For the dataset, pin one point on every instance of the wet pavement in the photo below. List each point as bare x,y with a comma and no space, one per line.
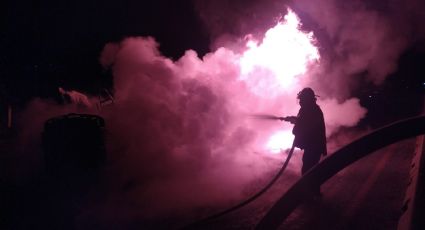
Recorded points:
369,194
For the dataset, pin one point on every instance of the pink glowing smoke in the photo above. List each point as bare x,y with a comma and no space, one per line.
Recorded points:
365,39
182,126
360,41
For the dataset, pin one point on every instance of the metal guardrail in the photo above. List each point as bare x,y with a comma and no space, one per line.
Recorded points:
417,222
339,160
406,219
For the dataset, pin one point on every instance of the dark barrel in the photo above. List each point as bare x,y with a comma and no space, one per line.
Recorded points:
73,144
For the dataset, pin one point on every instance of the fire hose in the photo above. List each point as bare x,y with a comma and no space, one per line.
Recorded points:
205,220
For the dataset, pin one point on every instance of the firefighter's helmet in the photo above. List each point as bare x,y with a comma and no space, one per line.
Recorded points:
306,93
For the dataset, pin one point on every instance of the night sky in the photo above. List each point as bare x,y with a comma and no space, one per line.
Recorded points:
50,43
46,44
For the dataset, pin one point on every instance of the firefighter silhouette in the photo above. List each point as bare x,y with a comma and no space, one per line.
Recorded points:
310,133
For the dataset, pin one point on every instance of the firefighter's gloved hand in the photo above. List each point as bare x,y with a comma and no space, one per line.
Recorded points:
291,119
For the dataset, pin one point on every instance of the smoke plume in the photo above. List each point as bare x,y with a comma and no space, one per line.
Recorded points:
182,128
179,137
180,125
360,41
363,40
178,133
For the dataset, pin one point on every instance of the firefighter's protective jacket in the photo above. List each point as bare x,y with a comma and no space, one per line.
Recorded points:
309,129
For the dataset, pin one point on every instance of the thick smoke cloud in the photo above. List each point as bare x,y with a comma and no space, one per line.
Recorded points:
360,41
364,40
178,127
178,133
182,128
179,136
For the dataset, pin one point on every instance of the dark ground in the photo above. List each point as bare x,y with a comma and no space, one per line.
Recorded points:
367,195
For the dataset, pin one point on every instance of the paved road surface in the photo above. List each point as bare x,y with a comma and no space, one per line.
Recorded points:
367,195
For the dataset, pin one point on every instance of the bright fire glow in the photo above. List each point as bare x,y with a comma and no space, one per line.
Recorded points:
272,67
280,141
285,53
